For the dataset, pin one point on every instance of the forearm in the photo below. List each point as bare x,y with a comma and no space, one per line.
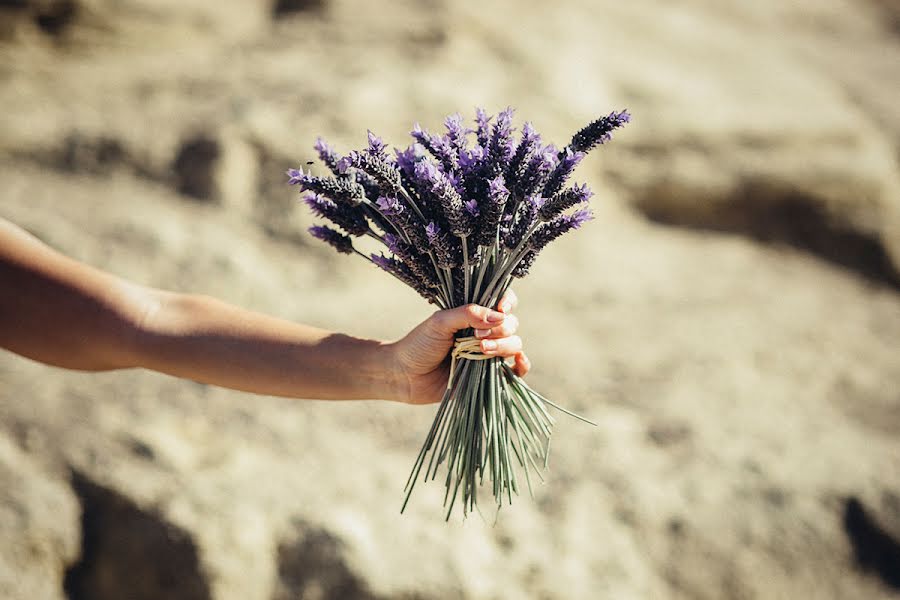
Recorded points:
206,340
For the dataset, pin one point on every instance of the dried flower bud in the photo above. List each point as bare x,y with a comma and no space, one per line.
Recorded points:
598,132
340,242
349,218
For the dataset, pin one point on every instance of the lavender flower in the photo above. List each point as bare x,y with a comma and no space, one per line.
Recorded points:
470,161
446,196
439,147
376,166
492,210
498,151
565,200
528,145
456,131
339,190
524,221
561,173
333,238
483,132
525,263
598,132
548,232
445,253
536,172
407,159
349,218
327,155
389,206
376,144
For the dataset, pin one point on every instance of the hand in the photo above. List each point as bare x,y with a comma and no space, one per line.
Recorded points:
422,355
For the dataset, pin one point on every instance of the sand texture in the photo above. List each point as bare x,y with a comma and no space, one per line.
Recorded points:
731,319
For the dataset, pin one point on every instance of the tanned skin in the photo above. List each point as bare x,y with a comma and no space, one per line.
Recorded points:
64,313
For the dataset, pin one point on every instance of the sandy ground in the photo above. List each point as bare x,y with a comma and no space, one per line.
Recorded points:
731,318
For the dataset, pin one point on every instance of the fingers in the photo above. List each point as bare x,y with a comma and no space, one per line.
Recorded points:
505,329
452,320
508,302
521,364
508,346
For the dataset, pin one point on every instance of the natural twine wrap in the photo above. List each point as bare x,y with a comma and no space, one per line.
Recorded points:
468,348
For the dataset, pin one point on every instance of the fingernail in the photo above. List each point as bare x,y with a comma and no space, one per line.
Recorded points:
506,306
488,345
480,333
495,317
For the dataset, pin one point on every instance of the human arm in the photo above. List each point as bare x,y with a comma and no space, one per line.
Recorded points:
61,312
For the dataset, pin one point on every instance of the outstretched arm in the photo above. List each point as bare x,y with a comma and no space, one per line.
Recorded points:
64,313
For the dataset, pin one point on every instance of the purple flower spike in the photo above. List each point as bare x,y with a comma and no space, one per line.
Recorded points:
343,165
295,176
528,145
438,146
483,120
548,232
565,200
499,150
562,171
580,217
333,238
392,242
388,206
382,261
376,144
327,155
432,231
456,131
491,211
407,159
599,132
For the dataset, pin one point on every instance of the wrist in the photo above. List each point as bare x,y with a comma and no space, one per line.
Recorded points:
396,384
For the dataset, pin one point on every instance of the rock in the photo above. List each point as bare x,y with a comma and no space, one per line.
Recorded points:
39,527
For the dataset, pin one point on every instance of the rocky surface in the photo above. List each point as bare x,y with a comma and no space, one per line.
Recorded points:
743,368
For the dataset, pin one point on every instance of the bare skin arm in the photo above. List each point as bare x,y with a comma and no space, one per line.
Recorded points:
61,312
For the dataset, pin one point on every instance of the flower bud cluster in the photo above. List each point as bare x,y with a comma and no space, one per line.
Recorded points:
447,203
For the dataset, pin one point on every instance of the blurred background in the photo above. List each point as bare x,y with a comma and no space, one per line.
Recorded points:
731,318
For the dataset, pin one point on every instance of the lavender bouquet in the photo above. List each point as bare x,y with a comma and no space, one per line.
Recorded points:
460,221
